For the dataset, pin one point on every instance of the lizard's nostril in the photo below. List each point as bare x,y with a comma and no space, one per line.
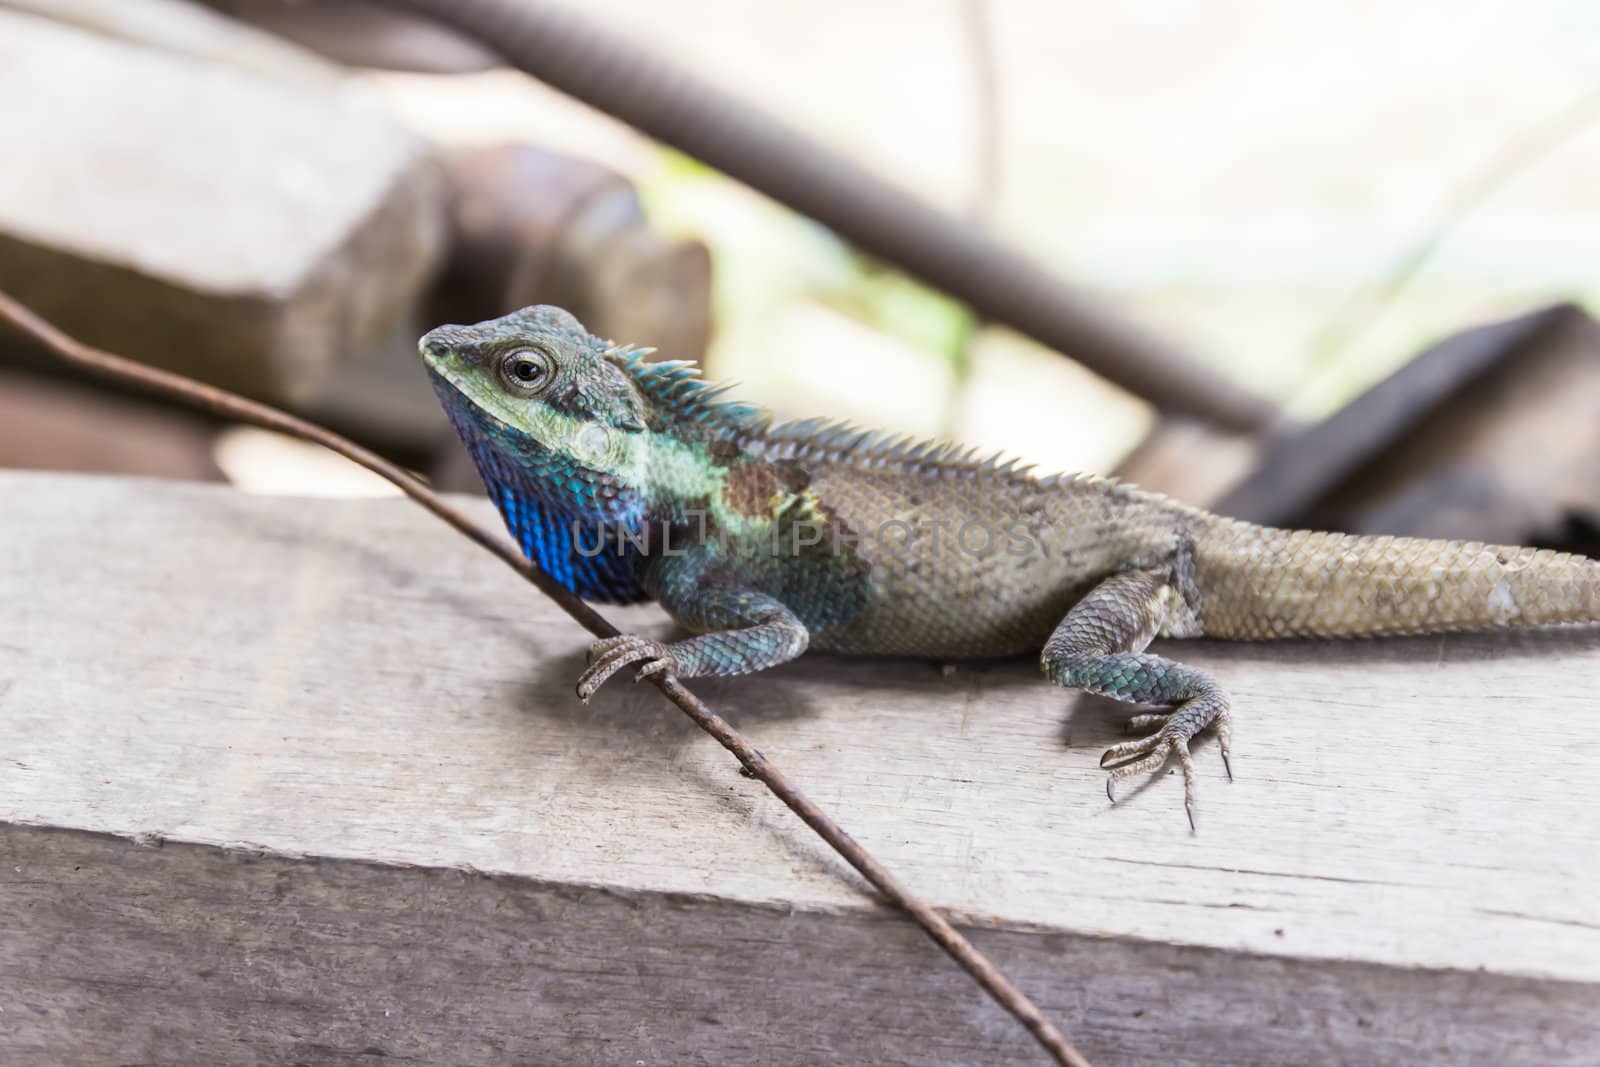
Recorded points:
448,340
434,343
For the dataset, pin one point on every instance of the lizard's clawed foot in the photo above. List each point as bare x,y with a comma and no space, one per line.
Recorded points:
610,654
1173,732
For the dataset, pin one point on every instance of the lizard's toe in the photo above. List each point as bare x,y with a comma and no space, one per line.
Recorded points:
664,665
1130,750
1176,729
609,655
600,646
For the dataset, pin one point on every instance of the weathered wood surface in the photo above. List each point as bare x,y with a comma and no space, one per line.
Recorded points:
386,825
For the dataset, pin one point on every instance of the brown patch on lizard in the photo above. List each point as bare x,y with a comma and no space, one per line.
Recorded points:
795,478
749,489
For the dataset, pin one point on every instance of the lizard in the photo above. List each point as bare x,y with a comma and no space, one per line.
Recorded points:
629,480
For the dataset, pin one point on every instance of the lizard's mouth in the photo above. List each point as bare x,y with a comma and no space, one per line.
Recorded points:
476,423
452,364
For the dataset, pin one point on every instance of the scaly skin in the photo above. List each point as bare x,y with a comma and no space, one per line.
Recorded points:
628,480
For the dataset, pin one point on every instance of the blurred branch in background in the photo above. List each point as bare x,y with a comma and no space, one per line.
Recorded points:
366,33
673,106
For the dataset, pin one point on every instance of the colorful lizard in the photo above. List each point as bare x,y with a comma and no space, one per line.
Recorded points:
628,480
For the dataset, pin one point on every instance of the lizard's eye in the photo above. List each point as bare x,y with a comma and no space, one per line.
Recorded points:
527,370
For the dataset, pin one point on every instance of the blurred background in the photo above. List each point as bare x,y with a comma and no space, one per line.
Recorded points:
1315,262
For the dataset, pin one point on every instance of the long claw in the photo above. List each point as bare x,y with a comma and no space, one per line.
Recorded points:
1180,748
1226,765
1130,750
1111,790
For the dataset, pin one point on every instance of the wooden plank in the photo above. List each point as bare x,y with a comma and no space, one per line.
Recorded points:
1304,465
388,825
1463,466
62,426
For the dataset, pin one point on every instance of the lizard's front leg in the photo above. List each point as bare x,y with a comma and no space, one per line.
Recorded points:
1099,647
745,630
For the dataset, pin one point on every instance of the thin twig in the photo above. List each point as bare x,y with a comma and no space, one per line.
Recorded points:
230,405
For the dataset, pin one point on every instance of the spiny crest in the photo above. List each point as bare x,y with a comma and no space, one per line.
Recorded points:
674,388
836,441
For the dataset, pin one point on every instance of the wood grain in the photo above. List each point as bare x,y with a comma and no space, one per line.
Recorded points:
387,824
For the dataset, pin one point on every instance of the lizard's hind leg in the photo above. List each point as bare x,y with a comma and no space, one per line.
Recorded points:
1099,648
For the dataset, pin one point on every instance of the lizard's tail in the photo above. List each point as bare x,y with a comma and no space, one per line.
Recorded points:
1257,582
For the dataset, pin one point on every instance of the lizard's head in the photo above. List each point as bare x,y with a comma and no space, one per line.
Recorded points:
538,390
558,435
549,418
552,413
536,377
